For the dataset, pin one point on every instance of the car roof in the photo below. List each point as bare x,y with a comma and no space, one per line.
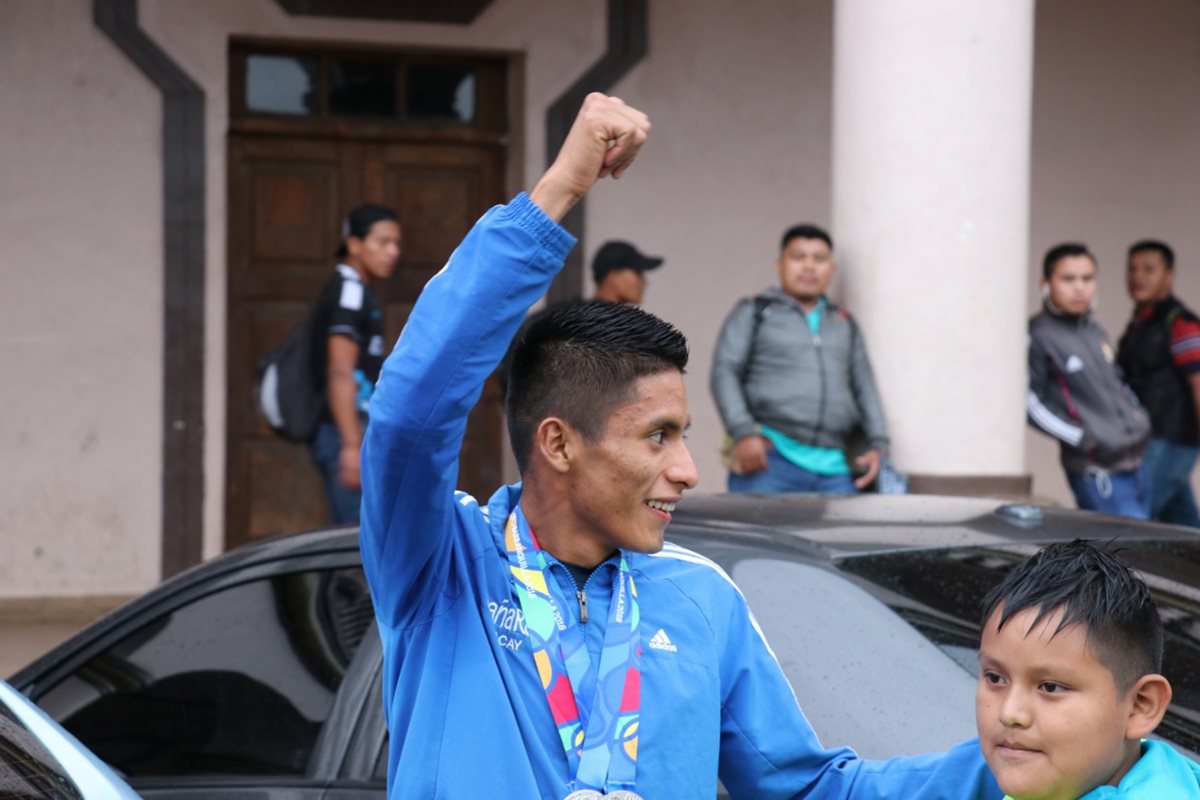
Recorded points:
835,525
849,525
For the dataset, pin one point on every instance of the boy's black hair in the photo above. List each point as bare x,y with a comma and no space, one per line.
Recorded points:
804,231
1155,246
578,361
1092,587
1061,251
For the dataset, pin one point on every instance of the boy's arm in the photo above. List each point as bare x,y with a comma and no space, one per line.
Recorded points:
456,335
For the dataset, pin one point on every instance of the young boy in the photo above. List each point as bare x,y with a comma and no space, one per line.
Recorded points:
1069,683
1077,395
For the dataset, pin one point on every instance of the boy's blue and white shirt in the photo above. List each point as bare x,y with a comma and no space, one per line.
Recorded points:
466,709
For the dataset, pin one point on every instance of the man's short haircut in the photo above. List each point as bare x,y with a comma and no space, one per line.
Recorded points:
1155,246
1059,252
578,361
1092,587
804,231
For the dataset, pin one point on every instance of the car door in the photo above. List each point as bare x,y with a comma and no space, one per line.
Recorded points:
246,685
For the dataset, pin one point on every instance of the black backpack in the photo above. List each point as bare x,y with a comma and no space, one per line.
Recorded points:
286,390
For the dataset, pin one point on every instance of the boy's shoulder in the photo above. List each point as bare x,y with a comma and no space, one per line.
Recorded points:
1162,772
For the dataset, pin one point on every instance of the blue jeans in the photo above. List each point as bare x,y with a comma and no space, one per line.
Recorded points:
1171,498
325,449
782,475
1124,494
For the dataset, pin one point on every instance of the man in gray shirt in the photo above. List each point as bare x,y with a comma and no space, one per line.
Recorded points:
792,381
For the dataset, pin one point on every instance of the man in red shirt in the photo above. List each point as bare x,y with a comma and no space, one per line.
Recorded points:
1160,355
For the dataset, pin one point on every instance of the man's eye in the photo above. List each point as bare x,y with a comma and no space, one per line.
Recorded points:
1050,687
658,437
992,678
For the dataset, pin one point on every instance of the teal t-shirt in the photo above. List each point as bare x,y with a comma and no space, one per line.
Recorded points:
1161,773
821,460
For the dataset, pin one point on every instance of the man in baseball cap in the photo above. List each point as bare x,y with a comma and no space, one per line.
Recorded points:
619,271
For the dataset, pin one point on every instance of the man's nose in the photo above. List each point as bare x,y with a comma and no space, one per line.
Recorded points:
682,470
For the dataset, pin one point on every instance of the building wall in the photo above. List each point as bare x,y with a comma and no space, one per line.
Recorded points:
81,288
80,308
740,97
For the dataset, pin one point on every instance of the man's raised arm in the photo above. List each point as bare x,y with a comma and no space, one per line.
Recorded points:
457,333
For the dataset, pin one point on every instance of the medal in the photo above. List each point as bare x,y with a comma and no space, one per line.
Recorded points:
595,707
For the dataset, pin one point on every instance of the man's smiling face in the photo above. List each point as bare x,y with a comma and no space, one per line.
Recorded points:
625,485
1052,721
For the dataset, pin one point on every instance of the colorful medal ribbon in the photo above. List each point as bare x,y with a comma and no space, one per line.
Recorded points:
599,729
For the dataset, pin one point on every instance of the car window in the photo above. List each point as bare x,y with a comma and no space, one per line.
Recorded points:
952,583
27,770
238,681
864,677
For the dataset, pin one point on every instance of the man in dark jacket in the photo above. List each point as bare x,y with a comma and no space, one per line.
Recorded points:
1160,355
1076,393
792,381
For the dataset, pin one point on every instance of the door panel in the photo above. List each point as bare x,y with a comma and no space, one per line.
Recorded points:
440,191
287,198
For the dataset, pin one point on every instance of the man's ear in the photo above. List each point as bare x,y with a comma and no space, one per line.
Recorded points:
557,443
1151,696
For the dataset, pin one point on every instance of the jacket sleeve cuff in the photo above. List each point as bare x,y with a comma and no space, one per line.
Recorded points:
528,215
740,432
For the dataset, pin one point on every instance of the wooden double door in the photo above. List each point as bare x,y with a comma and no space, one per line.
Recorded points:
287,198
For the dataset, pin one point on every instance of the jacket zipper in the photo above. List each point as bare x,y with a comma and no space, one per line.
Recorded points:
583,617
821,372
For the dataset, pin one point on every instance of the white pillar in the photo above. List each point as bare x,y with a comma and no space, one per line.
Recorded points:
932,104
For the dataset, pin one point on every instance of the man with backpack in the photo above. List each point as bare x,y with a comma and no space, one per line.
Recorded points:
347,352
1160,356
792,381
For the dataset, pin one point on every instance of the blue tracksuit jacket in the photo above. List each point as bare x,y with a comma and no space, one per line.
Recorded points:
466,710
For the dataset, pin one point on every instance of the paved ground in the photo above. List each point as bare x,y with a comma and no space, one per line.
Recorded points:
20,643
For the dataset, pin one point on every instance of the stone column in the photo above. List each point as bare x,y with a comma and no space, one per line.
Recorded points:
931,130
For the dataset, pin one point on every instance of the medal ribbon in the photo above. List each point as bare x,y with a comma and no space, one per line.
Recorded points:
601,743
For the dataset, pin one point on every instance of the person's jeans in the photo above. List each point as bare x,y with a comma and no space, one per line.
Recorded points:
782,475
1125,494
1171,497
325,449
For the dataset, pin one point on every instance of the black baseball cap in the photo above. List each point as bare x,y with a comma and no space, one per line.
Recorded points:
620,255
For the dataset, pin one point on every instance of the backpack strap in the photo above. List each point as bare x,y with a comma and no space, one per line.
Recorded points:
762,308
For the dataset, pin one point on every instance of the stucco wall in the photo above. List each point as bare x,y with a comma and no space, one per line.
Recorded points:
81,289
80,308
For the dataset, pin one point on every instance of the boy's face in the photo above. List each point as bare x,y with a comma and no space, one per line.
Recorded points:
1052,723
1072,284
